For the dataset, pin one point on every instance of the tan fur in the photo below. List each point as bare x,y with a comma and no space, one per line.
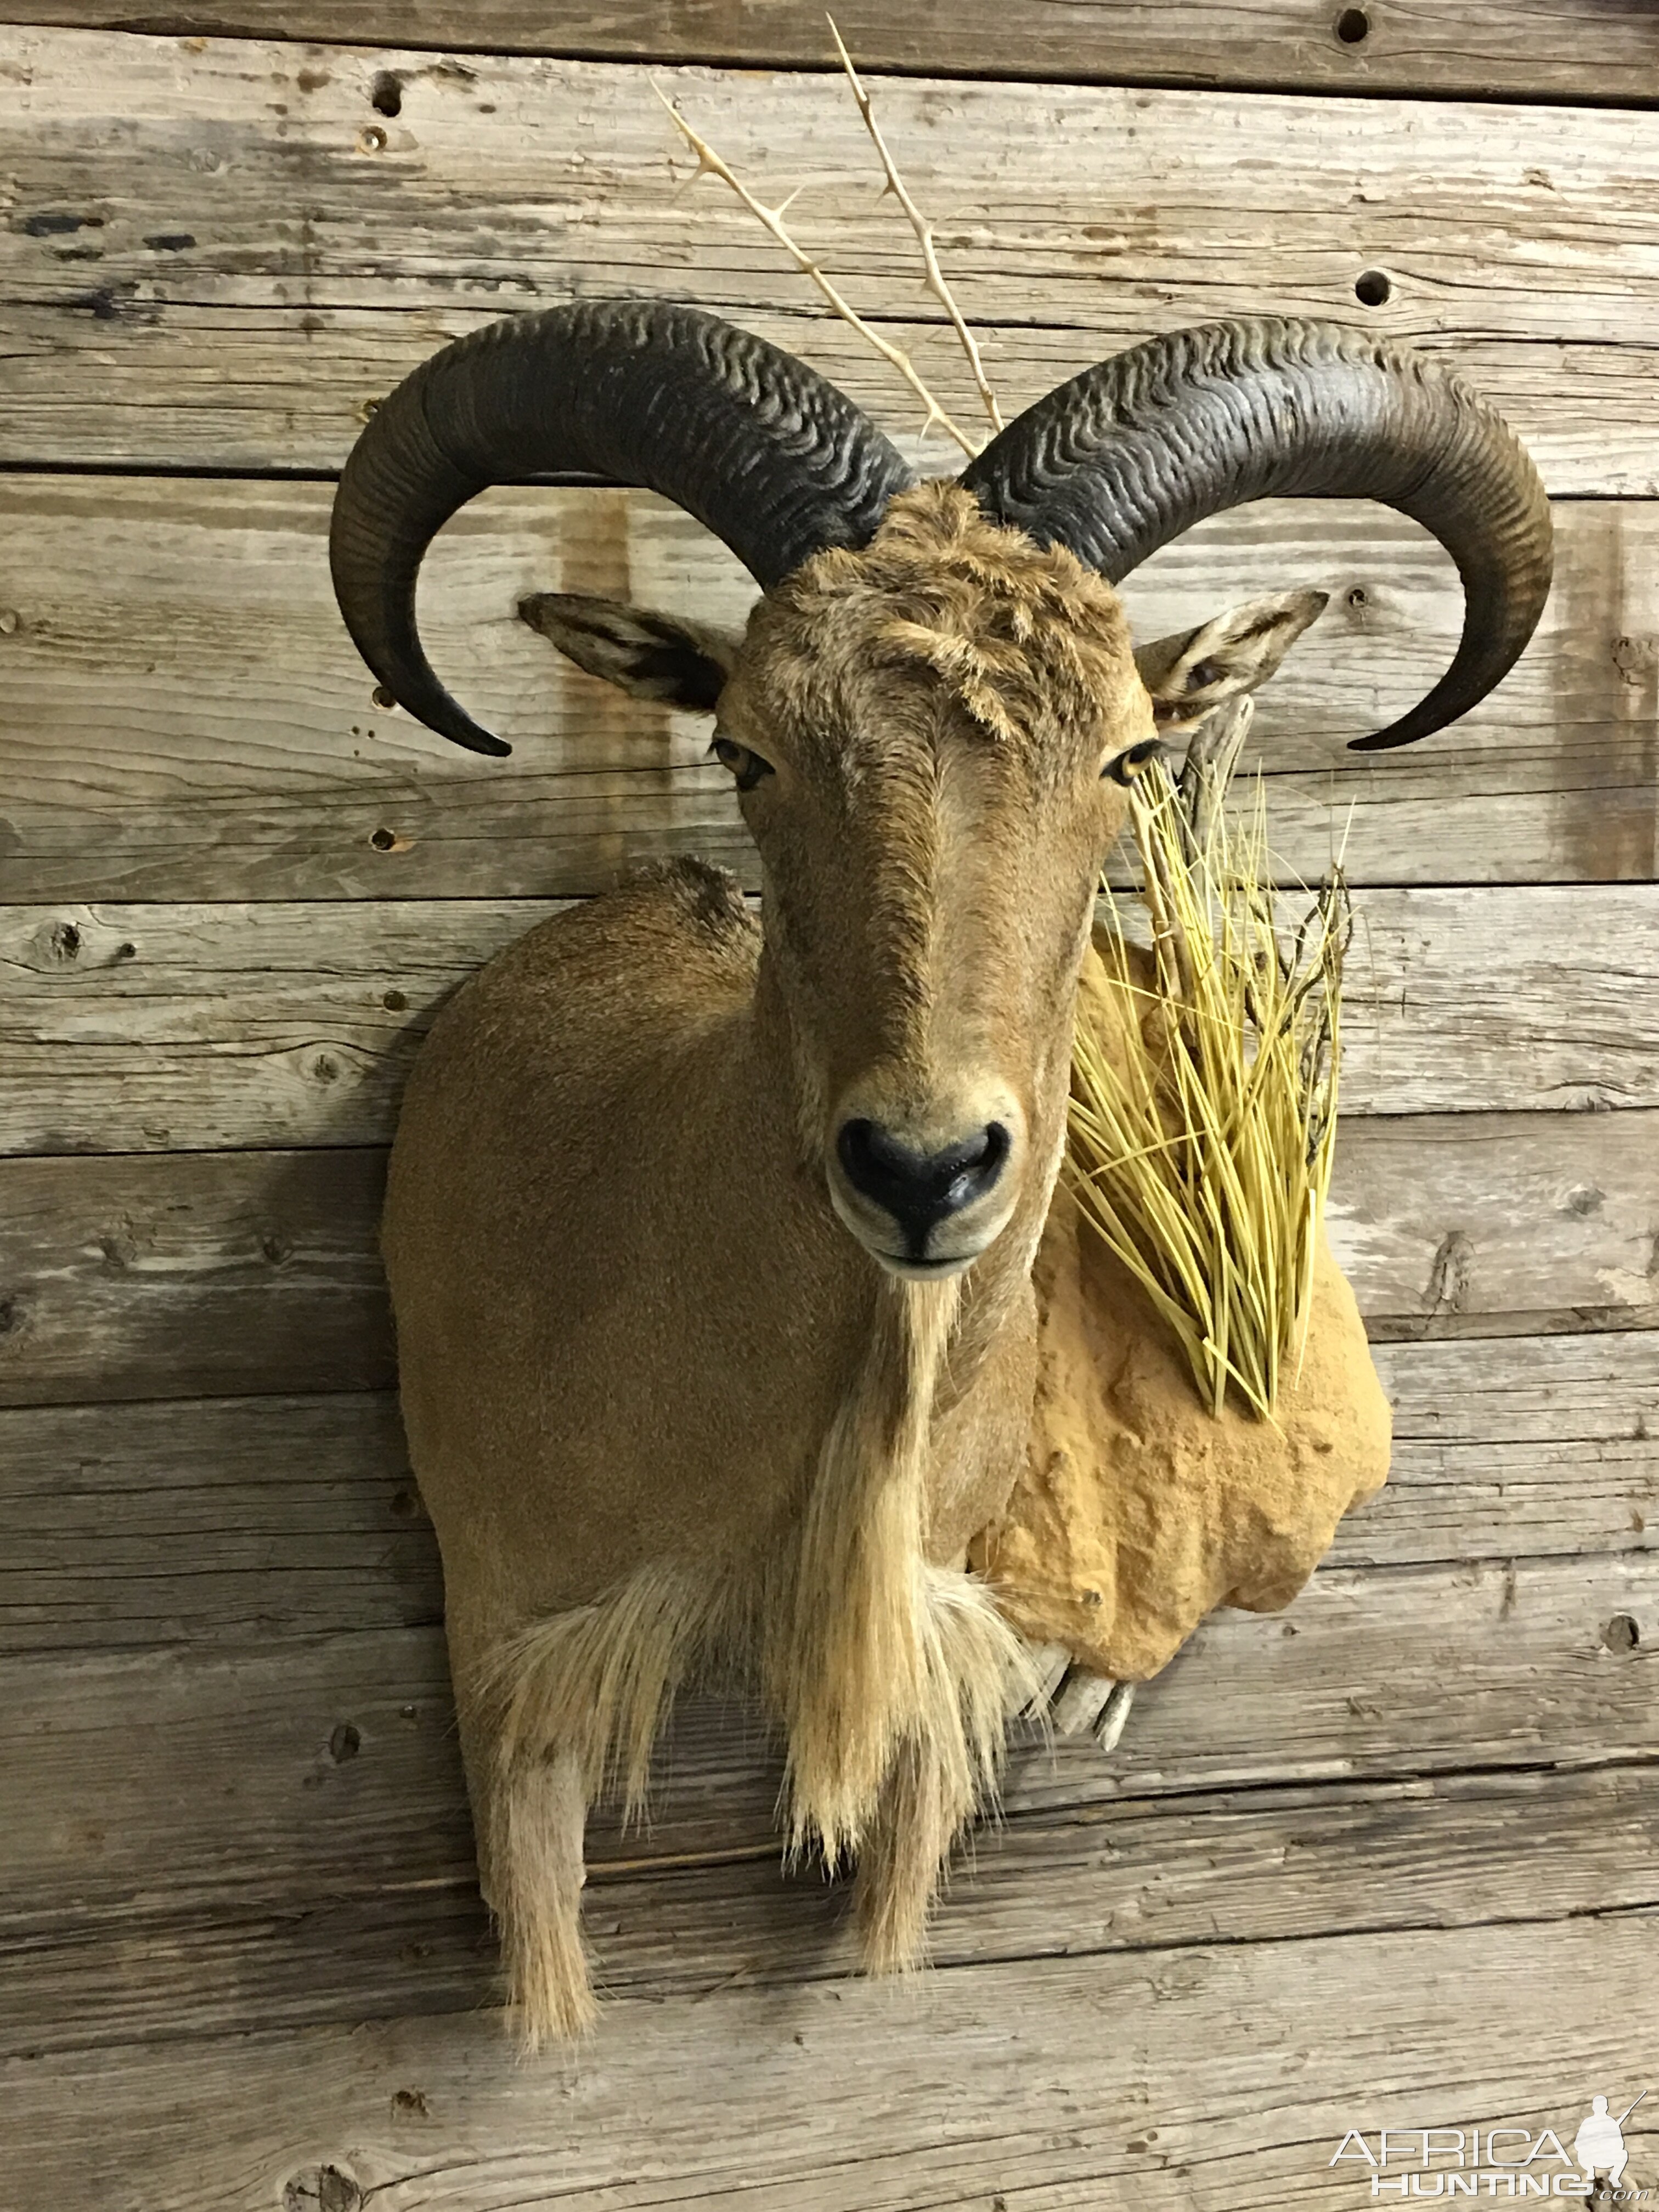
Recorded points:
673,1421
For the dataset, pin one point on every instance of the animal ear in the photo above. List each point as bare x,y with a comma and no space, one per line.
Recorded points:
648,655
1197,670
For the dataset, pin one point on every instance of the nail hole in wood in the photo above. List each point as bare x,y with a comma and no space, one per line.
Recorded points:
383,841
1621,1633
1352,26
1373,289
382,697
388,97
344,1743
393,1001
1358,599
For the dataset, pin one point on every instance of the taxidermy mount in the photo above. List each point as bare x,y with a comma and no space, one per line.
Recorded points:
749,1335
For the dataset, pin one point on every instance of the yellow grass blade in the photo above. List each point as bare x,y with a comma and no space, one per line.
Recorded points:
1203,1157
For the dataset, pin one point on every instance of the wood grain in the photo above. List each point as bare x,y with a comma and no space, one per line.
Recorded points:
179,1275
176,1028
228,1519
224,1707
1142,1875
1560,50
182,1276
186,719
256,185
292,1770
1196,2080
222,1520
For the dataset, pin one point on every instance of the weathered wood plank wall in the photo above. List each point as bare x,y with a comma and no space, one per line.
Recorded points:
1583,51
1336,1850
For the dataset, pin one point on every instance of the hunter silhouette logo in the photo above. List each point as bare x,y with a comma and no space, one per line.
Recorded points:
1499,2161
1599,2145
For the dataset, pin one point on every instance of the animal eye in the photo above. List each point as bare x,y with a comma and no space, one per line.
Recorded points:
1127,766
748,767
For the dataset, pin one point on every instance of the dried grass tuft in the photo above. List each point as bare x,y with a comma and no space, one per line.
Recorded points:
1201,1148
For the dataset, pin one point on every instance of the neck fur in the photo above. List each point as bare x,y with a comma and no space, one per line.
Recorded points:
877,1659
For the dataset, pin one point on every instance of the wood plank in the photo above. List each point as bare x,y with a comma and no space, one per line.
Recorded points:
305,1803
188,1276
187,719
220,1520
1518,242
1512,1447
1566,50
177,1028
1189,2080
297,1769
251,387
200,1274
1142,1875
210,1520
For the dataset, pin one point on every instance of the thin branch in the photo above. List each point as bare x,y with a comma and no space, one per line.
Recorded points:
924,231
772,218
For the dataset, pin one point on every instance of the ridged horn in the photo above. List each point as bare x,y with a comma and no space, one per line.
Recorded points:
759,448
1131,454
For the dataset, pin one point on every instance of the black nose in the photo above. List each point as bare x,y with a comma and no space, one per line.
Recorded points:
919,1189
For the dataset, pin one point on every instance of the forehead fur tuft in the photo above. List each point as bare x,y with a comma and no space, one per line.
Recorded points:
1021,634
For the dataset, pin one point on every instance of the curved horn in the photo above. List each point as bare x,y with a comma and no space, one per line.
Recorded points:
1127,456
760,448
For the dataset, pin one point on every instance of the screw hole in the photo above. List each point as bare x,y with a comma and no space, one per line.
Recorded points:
371,140
1358,598
383,841
388,97
1352,24
1621,1633
383,698
1373,289
344,1743
394,1001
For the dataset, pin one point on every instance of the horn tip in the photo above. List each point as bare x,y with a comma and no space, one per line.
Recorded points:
1386,741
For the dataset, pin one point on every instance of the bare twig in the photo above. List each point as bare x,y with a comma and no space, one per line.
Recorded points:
772,219
924,231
